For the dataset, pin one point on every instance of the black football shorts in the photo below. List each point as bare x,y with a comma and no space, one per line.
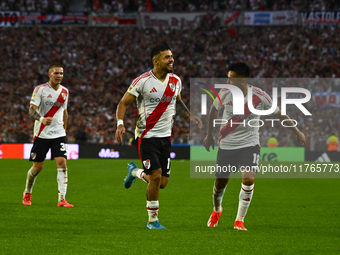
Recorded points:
155,153
41,146
230,161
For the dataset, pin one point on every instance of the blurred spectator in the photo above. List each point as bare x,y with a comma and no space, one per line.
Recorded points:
333,143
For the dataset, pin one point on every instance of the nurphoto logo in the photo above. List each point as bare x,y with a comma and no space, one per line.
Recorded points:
239,105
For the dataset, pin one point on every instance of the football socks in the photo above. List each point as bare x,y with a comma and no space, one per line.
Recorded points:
139,173
246,194
217,198
31,176
62,183
152,207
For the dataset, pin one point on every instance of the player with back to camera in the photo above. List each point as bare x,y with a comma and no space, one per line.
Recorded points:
48,107
239,144
157,94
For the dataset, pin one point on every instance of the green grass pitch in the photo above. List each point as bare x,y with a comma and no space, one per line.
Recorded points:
286,216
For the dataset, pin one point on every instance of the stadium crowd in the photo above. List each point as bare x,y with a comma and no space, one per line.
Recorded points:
204,5
44,6
61,6
100,63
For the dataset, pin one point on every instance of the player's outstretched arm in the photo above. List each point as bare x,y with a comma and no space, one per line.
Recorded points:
35,115
300,137
120,113
183,111
209,139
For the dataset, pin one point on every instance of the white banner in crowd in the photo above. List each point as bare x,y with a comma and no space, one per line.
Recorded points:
232,18
323,99
9,19
172,20
320,17
278,18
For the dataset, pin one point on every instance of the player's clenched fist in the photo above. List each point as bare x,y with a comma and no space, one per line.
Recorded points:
120,130
47,121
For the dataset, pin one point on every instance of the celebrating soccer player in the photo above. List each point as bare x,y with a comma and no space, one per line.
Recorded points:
239,145
48,107
156,93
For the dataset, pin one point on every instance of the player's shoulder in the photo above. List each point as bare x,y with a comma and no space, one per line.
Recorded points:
261,93
174,76
224,91
40,87
141,78
63,87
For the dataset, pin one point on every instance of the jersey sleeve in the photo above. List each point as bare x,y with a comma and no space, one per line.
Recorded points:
180,86
66,101
36,96
268,102
221,95
135,87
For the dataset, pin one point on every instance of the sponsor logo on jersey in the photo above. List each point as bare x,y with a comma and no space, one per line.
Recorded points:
147,163
172,87
34,95
33,155
163,99
153,90
49,96
53,104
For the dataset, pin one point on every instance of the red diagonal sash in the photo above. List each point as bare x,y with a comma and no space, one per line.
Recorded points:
161,107
56,106
227,129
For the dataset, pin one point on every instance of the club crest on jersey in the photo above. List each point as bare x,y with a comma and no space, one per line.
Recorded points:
63,95
172,87
147,163
33,155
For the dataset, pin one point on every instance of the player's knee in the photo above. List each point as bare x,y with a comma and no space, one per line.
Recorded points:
61,163
221,183
156,177
248,181
163,184
37,167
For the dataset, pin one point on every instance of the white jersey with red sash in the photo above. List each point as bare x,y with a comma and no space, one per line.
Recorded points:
51,103
237,133
156,102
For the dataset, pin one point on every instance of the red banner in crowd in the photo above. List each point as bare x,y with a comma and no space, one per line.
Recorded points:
323,99
113,19
38,18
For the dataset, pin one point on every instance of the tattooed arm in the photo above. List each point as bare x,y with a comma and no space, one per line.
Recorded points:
33,113
65,119
183,111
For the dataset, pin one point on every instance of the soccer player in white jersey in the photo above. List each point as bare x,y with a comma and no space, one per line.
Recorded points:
48,107
239,145
157,93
